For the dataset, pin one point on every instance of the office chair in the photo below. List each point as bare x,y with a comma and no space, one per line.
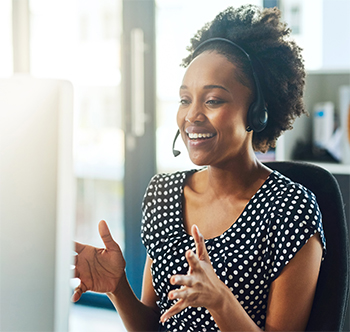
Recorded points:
332,291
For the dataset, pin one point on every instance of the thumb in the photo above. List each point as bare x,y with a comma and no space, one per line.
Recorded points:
106,236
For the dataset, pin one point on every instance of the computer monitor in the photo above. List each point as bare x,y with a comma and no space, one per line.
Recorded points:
37,199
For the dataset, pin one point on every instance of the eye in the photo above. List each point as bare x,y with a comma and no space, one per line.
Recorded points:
184,101
214,102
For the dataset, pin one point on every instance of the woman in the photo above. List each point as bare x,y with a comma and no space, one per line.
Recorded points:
234,246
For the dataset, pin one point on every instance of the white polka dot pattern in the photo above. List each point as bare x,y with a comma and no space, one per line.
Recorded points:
278,220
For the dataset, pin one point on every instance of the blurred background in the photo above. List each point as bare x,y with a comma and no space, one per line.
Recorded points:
123,59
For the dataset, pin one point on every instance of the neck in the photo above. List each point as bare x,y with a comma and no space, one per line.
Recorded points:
241,177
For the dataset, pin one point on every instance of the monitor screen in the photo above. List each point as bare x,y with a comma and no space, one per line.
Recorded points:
37,199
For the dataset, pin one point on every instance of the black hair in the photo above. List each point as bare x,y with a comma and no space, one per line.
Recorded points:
262,35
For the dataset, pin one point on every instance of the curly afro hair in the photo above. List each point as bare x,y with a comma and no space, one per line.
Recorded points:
282,76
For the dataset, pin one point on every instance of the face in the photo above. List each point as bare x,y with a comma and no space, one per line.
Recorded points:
212,116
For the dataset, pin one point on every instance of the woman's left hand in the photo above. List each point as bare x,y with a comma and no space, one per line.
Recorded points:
201,287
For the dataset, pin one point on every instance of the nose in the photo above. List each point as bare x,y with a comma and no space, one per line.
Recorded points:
195,113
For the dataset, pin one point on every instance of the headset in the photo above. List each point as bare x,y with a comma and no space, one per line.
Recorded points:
257,116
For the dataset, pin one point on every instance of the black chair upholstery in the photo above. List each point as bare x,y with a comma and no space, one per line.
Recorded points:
332,292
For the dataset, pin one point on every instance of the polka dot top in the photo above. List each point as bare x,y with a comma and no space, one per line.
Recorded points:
278,220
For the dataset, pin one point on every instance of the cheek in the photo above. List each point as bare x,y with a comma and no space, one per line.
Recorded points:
230,120
180,118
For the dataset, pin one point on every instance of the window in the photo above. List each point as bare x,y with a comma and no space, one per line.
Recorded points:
80,41
6,63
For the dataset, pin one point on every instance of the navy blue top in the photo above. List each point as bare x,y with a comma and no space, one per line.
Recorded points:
278,220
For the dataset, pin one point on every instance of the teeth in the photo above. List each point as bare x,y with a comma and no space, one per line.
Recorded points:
204,135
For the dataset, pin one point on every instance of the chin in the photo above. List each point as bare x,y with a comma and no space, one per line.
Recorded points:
199,161
200,164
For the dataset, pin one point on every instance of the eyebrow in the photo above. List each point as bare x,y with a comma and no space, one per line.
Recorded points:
207,87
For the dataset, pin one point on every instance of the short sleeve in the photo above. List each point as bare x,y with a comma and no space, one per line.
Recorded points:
296,219
148,210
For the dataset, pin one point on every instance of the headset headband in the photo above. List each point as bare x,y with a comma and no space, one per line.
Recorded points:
258,114
223,40
235,45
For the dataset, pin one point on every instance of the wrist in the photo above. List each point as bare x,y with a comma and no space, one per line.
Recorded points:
223,298
120,285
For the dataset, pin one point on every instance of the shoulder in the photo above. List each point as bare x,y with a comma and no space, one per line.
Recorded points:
162,190
164,184
294,205
281,184
169,179
284,199
290,195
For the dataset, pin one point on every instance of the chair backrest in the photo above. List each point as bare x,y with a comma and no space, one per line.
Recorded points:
332,292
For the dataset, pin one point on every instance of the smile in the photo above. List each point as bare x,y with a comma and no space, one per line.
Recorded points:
200,135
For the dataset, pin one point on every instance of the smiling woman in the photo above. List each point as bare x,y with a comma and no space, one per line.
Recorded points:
233,246
172,40
213,103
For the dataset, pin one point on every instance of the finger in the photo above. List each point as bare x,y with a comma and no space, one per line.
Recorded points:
106,236
200,244
79,247
181,293
183,280
175,309
193,261
78,292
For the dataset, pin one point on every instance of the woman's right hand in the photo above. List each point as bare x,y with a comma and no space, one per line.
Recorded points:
99,269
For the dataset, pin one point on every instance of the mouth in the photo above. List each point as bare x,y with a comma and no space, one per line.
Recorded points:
196,136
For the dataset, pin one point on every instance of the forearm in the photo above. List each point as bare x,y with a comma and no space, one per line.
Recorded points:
229,315
136,316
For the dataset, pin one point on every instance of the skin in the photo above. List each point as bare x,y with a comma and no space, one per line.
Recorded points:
212,102
103,271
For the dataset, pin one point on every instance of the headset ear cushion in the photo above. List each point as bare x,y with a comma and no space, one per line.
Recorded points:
263,118
257,117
